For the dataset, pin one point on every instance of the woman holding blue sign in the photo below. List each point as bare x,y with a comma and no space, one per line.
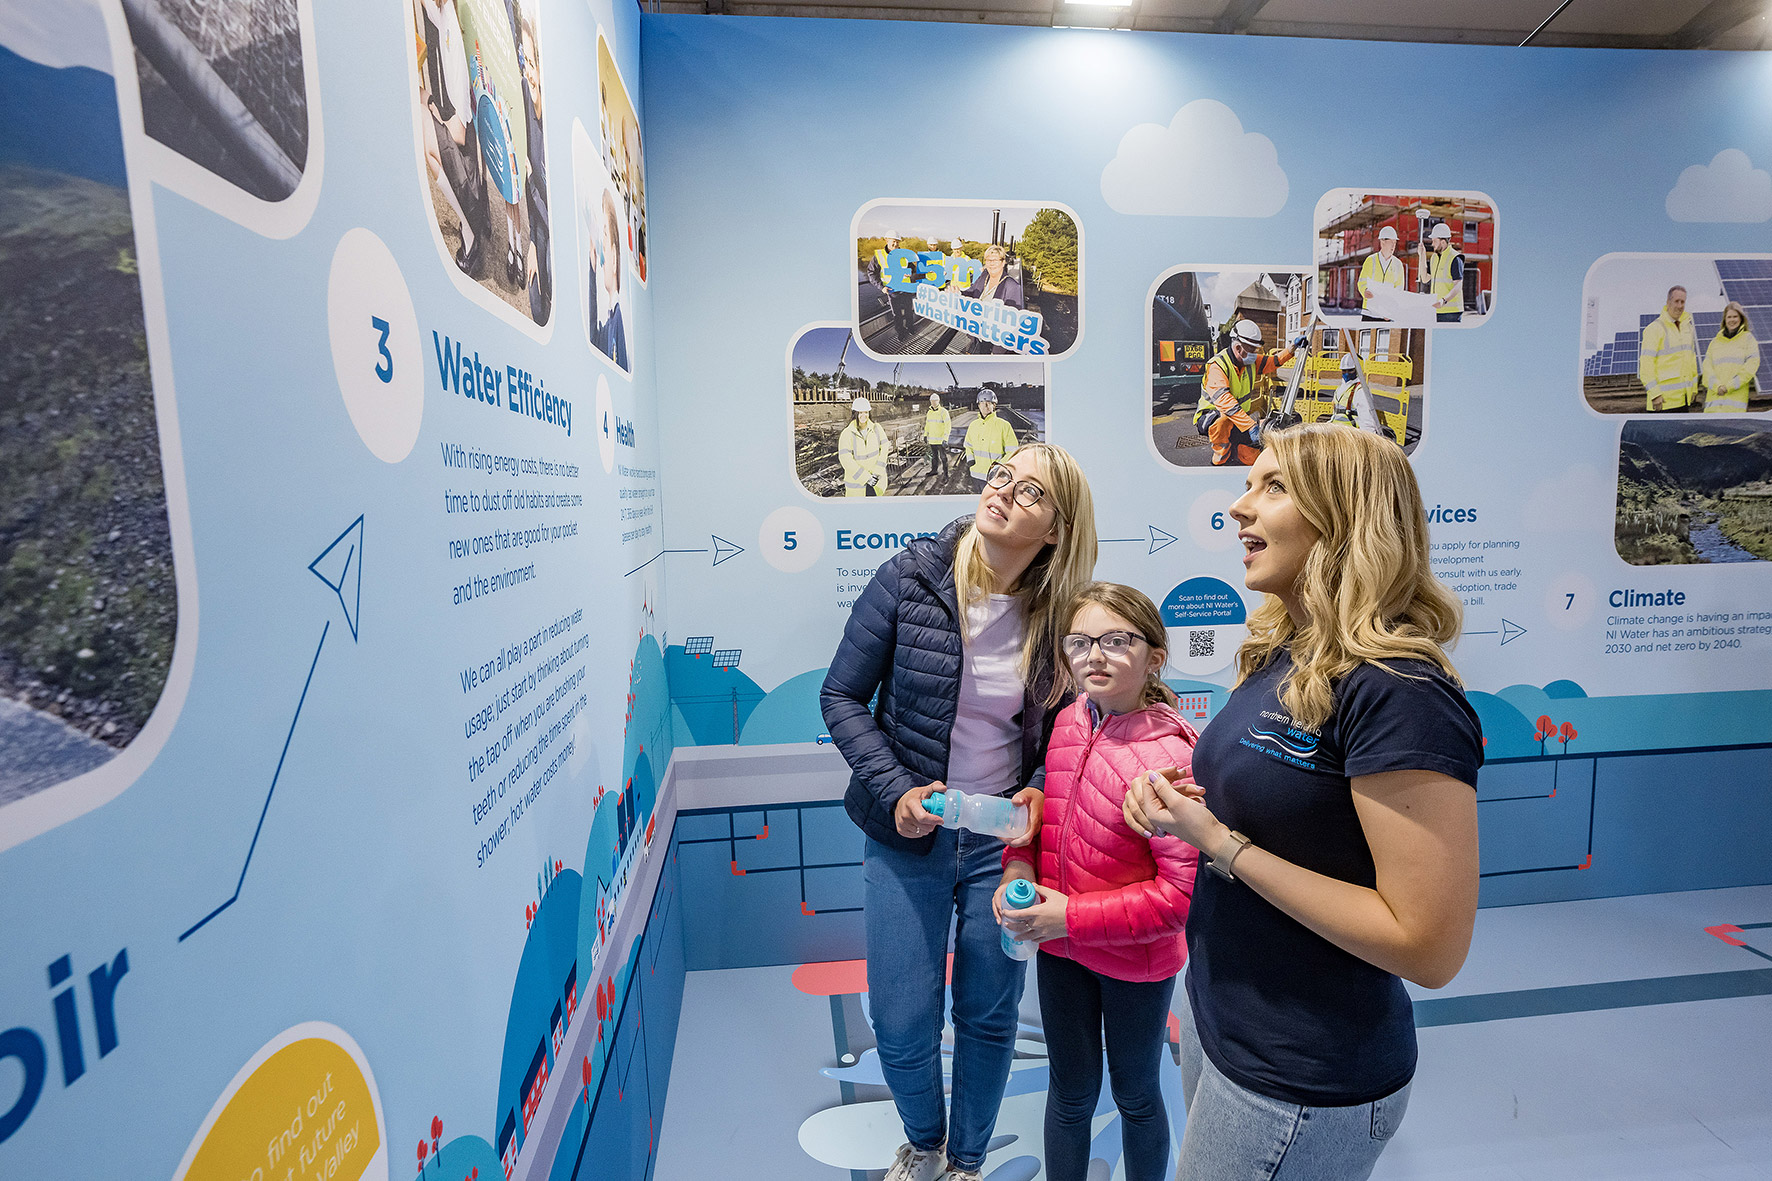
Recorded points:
956,636
995,283
1332,800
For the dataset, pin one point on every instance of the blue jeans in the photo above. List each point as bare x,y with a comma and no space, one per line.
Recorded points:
1234,1134
910,902
1077,1006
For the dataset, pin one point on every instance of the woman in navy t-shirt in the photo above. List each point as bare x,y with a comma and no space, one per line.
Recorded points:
1332,797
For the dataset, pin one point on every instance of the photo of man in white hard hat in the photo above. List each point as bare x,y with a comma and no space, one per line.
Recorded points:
1232,400
1445,275
938,426
866,427
1383,269
1234,355
1412,260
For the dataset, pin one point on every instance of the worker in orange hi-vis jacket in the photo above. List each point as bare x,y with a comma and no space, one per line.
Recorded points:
1227,413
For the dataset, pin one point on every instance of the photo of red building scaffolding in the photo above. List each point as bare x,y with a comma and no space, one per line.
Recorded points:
1412,260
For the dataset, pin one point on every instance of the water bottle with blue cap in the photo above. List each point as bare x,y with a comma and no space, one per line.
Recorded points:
1020,894
994,816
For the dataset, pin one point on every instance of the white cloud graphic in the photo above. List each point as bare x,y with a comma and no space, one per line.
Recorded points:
56,33
1729,188
1202,165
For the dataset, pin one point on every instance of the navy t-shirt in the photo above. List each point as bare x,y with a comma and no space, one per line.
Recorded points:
1281,1010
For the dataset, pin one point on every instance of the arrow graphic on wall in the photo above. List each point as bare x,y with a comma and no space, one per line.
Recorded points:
720,548
340,567
1509,631
1159,539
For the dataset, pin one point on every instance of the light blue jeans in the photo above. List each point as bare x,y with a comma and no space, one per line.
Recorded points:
1234,1134
910,903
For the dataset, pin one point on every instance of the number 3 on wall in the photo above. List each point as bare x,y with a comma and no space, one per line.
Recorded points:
385,370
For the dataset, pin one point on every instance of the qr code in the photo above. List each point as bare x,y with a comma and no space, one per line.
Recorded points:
1202,643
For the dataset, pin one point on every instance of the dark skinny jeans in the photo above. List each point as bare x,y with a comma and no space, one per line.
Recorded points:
1077,1007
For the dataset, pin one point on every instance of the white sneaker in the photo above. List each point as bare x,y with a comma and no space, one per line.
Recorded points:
956,1173
917,1164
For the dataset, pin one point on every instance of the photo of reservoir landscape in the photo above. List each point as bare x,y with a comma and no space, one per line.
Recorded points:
1694,492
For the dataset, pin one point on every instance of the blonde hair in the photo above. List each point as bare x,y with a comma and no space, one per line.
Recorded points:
1135,607
1735,306
1054,576
1367,590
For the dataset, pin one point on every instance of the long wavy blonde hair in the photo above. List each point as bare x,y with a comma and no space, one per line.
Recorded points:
1367,590
1056,573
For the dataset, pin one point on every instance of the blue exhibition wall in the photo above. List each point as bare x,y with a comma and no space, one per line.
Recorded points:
364,795
333,722
1614,579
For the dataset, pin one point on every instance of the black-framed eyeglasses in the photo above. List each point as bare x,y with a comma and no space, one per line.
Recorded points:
1027,493
1076,646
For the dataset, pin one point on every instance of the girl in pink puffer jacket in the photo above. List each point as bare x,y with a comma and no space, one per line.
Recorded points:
1112,904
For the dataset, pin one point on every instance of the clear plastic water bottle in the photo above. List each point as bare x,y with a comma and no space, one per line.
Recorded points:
1019,894
993,816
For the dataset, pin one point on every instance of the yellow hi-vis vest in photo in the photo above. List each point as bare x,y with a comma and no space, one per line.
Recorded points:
1379,271
938,424
1729,368
862,452
1442,284
1239,381
1668,362
988,440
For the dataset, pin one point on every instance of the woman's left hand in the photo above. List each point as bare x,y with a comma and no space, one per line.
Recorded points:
1042,921
1035,801
1170,800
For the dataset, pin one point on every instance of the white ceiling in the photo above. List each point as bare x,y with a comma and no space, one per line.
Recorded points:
1632,24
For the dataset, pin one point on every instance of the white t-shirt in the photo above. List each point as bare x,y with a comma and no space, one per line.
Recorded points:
984,751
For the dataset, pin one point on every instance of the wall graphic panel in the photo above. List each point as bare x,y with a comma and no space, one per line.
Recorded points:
333,713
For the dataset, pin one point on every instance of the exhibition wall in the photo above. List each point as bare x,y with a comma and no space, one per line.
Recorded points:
364,795
332,710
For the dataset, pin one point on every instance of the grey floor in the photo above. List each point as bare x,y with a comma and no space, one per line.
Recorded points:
1617,1072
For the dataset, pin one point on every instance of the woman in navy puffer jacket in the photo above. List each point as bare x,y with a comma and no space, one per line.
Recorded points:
956,637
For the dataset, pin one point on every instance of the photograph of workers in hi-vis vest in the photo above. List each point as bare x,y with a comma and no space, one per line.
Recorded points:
478,100
865,427
967,279
1676,333
1236,353
1408,260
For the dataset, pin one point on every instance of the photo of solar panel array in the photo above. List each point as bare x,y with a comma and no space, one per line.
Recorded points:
1747,281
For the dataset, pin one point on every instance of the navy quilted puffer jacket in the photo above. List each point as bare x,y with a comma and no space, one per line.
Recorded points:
903,641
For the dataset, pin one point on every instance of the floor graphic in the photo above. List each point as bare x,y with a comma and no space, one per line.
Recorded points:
1671,1059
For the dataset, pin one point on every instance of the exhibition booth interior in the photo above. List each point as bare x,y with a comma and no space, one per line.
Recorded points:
340,844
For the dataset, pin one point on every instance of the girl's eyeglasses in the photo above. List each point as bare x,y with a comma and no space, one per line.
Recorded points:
1076,646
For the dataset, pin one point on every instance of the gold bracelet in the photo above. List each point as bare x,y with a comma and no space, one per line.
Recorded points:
1223,867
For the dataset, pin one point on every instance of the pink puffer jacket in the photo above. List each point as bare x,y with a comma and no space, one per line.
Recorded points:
1128,896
